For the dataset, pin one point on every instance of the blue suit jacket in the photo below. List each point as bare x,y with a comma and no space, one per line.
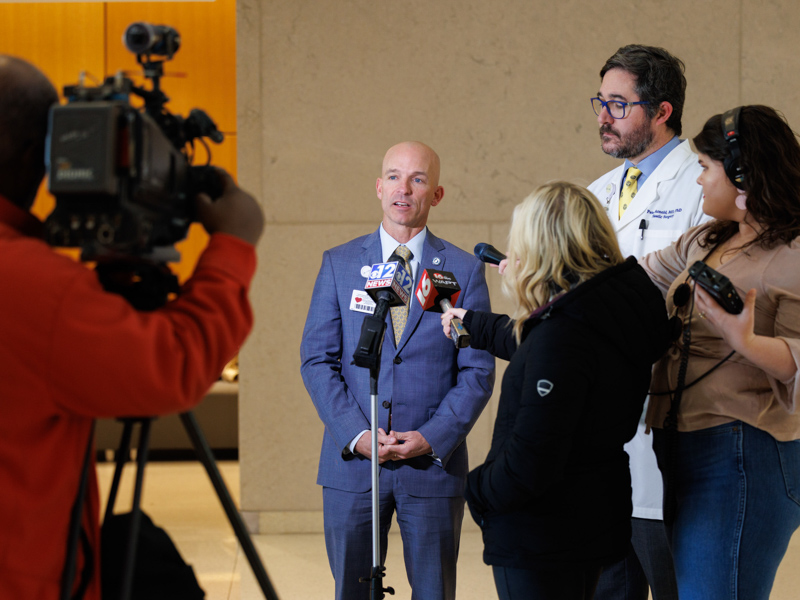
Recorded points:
433,387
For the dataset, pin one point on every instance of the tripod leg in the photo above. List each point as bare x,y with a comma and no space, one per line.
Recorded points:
207,458
136,512
119,464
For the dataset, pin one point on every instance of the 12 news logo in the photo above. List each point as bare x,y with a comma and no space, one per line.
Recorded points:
391,275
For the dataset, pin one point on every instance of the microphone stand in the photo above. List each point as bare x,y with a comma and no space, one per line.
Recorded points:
368,355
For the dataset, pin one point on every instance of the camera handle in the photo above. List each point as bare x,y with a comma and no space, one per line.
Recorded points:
180,131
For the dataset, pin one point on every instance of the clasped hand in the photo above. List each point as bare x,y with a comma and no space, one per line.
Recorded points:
395,445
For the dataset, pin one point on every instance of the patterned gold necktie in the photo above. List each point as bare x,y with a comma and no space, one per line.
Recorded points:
400,313
629,189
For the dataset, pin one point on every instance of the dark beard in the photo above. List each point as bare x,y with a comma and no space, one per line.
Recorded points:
631,146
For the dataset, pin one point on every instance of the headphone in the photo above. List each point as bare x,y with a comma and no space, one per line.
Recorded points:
730,131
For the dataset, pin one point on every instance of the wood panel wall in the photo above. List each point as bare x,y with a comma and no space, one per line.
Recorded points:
64,39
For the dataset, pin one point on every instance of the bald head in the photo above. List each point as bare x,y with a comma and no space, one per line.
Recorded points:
408,188
423,153
26,96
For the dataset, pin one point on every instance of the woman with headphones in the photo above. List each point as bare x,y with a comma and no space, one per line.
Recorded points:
587,328
724,400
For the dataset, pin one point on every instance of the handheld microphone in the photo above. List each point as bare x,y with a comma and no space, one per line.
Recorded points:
435,291
388,284
489,254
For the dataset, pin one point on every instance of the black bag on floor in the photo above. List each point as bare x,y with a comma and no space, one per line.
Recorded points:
159,570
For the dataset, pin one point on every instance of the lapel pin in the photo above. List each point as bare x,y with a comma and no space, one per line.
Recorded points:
437,261
365,271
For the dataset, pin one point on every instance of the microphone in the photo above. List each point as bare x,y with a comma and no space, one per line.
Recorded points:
682,294
489,254
388,284
435,291
643,226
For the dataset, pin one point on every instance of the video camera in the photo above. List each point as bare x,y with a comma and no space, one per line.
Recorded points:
123,177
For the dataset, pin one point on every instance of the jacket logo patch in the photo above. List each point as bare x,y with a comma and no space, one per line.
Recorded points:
544,387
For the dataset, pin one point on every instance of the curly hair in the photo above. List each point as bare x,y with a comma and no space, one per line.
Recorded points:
770,159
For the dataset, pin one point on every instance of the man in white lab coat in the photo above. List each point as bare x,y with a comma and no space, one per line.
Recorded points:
651,198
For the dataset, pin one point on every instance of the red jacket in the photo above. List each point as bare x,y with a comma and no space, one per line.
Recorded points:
70,352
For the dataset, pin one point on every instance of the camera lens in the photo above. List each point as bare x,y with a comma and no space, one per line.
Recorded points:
144,38
137,38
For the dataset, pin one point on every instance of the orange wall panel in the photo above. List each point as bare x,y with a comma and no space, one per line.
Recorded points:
37,33
63,39
202,74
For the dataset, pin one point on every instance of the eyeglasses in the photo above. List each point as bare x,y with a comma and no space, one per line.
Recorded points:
615,108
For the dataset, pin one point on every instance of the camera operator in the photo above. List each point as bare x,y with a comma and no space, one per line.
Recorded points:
72,352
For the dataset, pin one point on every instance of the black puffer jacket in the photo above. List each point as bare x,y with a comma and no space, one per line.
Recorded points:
555,486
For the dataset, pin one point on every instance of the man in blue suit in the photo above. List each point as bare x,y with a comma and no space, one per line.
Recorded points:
430,392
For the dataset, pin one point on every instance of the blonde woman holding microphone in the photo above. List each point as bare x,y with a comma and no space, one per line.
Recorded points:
587,327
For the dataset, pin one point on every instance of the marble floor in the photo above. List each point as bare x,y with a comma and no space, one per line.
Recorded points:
178,497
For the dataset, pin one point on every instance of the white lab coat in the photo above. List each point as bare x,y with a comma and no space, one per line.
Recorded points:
670,201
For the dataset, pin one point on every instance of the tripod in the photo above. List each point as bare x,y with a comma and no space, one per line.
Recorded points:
205,456
147,285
